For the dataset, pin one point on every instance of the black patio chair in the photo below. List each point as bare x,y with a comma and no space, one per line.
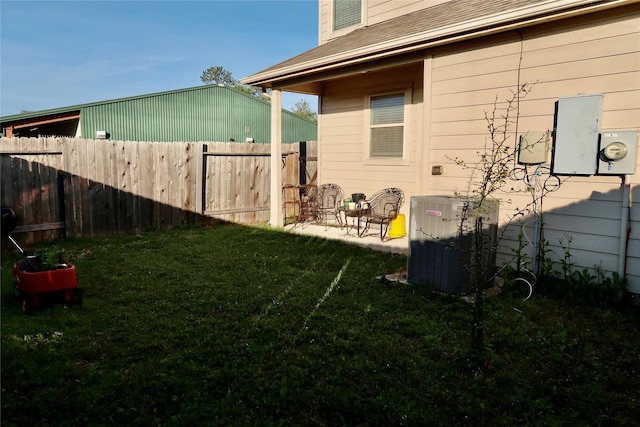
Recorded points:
325,203
384,207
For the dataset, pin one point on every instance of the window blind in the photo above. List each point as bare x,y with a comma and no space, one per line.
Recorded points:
387,109
387,126
346,13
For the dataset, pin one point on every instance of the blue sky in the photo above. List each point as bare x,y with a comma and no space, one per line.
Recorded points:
61,53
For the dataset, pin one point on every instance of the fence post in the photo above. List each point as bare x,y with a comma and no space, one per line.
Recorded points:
202,180
302,170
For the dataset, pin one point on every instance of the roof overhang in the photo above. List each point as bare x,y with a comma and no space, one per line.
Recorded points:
305,75
10,127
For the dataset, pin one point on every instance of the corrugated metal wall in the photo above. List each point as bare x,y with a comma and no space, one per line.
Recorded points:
296,129
206,113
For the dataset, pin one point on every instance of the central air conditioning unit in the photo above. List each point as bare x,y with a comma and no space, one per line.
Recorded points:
442,240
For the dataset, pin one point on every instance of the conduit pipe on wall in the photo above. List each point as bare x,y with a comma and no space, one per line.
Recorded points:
624,228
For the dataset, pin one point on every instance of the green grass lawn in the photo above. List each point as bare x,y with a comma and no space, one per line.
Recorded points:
231,325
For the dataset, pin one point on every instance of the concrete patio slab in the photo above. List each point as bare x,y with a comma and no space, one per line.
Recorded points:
371,240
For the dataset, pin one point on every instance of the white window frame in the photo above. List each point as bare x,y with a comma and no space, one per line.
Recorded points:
405,131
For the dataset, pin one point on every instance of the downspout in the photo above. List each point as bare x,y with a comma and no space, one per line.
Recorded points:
624,228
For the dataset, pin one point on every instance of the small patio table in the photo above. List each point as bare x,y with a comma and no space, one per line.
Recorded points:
353,213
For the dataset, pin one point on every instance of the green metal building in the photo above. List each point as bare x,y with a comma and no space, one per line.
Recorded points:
208,113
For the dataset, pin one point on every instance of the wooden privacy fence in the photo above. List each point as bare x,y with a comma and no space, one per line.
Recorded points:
78,187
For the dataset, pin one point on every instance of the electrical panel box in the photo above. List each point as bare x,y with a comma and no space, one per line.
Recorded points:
442,236
577,130
533,148
618,152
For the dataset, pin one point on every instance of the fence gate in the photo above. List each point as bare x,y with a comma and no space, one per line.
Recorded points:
235,182
236,178
308,163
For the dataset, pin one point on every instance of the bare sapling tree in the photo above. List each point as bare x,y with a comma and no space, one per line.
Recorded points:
489,176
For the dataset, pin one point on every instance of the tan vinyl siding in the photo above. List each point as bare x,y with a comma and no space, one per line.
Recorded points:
598,53
343,152
602,58
324,21
465,83
633,261
580,57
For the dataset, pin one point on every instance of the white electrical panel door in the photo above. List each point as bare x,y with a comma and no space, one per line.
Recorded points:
577,129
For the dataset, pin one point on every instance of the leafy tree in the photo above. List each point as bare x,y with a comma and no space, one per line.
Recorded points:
218,75
253,91
303,109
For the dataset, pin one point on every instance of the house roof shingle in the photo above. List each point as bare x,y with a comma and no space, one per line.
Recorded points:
442,21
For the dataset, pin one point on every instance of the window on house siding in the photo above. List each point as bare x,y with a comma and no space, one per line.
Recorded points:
346,13
386,125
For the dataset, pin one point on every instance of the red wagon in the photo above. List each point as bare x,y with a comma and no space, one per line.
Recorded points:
39,280
58,284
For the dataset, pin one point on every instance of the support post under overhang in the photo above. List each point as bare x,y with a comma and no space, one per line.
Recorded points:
276,216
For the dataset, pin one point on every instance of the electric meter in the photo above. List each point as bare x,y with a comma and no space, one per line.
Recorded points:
615,151
618,152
